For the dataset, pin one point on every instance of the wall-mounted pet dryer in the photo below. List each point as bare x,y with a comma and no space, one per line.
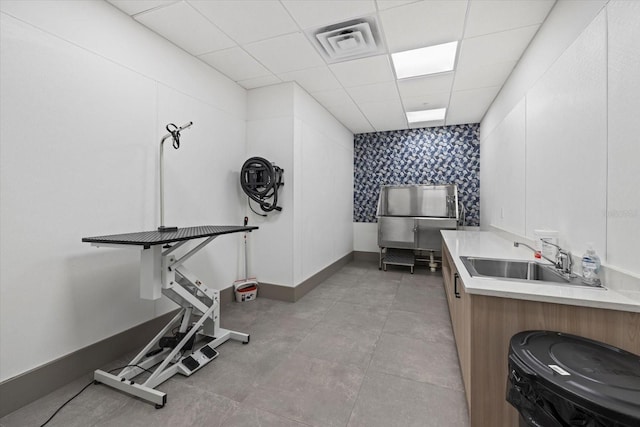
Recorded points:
261,180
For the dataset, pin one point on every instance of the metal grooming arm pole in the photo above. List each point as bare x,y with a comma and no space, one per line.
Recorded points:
198,317
175,134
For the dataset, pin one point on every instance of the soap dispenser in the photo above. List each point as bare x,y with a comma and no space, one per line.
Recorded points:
590,267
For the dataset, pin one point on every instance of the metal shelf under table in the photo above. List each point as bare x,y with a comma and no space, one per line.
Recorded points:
404,257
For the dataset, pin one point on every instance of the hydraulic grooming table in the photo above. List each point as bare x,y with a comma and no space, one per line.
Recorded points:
162,273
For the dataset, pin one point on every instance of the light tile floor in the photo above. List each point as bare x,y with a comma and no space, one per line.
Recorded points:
364,348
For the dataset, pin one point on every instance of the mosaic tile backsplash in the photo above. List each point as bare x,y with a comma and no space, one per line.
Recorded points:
439,155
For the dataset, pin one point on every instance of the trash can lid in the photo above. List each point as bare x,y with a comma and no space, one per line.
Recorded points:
597,376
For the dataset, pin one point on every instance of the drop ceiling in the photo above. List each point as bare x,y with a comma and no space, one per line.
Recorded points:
265,42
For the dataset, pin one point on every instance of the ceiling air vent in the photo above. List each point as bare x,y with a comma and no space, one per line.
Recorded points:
353,39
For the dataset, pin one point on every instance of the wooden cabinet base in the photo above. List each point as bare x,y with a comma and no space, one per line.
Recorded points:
484,326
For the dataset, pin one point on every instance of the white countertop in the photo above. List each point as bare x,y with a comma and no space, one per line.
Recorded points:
491,245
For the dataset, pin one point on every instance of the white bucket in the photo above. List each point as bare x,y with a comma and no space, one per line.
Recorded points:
246,290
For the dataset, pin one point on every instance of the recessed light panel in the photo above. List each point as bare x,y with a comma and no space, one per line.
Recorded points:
426,115
426,60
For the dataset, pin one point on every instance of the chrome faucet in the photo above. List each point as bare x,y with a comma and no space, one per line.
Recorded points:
516,244
563,262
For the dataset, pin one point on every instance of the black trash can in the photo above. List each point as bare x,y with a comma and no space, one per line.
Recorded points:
558,379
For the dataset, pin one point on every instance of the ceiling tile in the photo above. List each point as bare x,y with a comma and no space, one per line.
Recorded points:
426,102
497,47
384,115
184,26
350,116
259,82
469,106
313,79
491,16
363,94
313,13
131,7
332,98
378,92
482,75
248,20
423,24
419,86
388,4
235,63
376,69
281,54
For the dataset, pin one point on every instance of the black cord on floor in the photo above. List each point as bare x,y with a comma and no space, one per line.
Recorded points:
130,366
65,403
86,387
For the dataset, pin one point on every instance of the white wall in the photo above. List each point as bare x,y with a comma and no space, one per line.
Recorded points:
623,171
323,186
270,135
86,93
559,144
504,151
286,126
365,237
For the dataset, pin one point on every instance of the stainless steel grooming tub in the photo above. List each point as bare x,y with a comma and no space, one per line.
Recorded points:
410,218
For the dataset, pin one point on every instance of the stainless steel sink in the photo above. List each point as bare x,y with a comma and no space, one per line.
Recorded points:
510,269
517,270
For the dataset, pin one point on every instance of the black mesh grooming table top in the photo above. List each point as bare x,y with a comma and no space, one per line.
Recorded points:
151,238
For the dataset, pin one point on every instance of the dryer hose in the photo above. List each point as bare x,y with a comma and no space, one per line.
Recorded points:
260,180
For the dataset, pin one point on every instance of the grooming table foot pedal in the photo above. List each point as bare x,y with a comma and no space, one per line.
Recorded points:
185,365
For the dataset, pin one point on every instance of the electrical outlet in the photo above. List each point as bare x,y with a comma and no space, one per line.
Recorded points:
501,213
